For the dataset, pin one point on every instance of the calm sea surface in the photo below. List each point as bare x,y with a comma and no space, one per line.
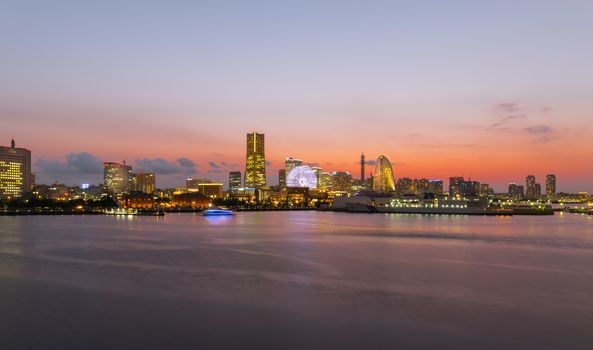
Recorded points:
296,280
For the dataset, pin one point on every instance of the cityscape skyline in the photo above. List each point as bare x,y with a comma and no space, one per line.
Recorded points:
492,91
382,178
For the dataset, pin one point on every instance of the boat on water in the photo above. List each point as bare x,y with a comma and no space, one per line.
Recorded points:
134,212
217,212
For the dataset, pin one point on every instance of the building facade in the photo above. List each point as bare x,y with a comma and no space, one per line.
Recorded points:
291,163
551,185
383,178
255,163
144,182
15,171
234,180
117,177
530,187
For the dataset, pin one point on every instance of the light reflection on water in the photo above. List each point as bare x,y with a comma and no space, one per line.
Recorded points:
335,277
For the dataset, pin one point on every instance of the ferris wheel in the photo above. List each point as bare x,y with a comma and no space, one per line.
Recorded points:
301,176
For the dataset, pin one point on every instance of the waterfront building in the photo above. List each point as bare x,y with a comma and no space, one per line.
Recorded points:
234,180
435,186
551,185
301,176
15,171
137,200
486,190
469,188
116,177
143,182
324,180
530,188
516,191
383,179
255,165
282,178
538,190
192,200
341,181
455,185
291,163
206,187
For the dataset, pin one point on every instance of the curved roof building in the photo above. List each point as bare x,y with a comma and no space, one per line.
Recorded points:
301,176
383,179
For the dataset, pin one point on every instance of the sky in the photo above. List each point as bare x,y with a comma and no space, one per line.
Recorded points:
489,90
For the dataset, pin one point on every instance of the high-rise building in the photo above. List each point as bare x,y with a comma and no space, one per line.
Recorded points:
435,186
116,177
255,165
486,190
291,163
282,178
144,182
551,185
234,180
15,171
455,185
341,181
517,191
383,179
469,188
530,188
538,190
324,180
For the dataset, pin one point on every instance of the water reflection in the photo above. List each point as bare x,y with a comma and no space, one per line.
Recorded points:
218,220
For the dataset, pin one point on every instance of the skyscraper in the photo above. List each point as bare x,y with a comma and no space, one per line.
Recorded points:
455,185
516,191
255,164
15,171
530,187
383,179
282,178
291,163
144,182
116,177
234,180
551,185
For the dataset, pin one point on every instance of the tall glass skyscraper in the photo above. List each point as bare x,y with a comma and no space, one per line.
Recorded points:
551,185
234,180
255,164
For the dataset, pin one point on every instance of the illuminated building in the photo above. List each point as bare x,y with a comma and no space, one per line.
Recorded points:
435,186
538,190
15,171
383,180
516,191
486,190
143,182
282,178
324,180
469,188
234,180
530,188
206,187
291,163
138,200
341,181
192,200
301,176
255,165
455,185
551,185
116,177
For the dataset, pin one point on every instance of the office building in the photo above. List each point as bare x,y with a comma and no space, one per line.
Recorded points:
530,188
143,182
455,185
206,187
234,180
516,191
15,171
551,185
383,179
435,186
282,178
469,188
255,164
291,163
341,181
117,177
